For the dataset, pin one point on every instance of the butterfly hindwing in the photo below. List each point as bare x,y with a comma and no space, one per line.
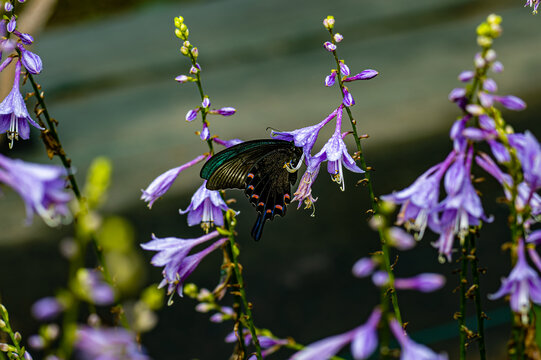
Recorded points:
257,167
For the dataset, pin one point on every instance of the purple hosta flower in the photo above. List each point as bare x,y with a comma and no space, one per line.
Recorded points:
490,85
348,98
329,46
183,79
410,349
364,267
176,271
511,102
534,3
344,69
363,75
400,239
26,39
46,308
336,154
206,102
225,111
466,76
364,341
159,186
529,154
31,61
205,133
94,288
192,114
226,143
523,285
305,137
172,253
420,198
338,37
205,208
330,79
534,237
14,117
304,191
107,344
460,209
11,24
42,187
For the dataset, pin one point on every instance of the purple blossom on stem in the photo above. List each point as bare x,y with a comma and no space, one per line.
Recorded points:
107,344
523,285
410,349
225,111
46,308
529,154
304,191
364,267
338,37
534,237
26,39
205,208
497,67
305,137
159,186
183,78
206,102
400,239
330,79
344,69
348,98
8,6
490,85
42,188
363,75
364,341
172,251
466,76
14,117
31,62
5,63
192,114
205,133
460,209
94,288
329,46
420,198
511,102
226,143
11,24
426,282
177,270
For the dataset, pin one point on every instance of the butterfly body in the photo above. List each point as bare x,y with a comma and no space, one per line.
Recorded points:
258,168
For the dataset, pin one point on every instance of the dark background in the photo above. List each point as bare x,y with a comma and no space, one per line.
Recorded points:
108,75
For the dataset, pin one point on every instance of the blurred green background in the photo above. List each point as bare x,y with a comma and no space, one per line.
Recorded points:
108,79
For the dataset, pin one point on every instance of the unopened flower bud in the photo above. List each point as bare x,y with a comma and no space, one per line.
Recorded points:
206,102
17,336
329,46
400,239
192,114
11,24
178,21
194,70
32,62
5,347
2,324
511,102
344,69
187,44
190,290
217,318
475,109
93,320
330,79
8,6
179,34
363,75
348,98
484,41
338,37
494,19
490,55
226,111
36,342
466,76
4,313
205,295
479,61
26,39
183,27
328,22
364,267
483,29
195,52
183,78
490,85
204,307
497,67
184,50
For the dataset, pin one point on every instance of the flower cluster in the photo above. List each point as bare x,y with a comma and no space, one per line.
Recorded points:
14,117
534,4
172,254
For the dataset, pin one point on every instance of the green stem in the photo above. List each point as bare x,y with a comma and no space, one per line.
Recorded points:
231,222
477,293
384,247
463,289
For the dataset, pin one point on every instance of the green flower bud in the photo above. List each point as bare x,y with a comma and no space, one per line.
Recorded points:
183,27
195,52
179,34
2,324
178,21
484,29
184,50
494,19
190,289
18,337
187,44
4,313
484,41
328,22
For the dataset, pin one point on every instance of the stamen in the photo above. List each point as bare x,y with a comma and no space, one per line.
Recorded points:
293,169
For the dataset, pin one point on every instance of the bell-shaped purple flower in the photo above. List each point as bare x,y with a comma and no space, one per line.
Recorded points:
31,61
42,187
348,98
460,209
159,186
336,154
420,198
107,343
14,117
529,154
364,267
410,349
305,137
304,191
46,308
184,269
363,75
330,79
523,285
171,252
226,143
364,341
206,208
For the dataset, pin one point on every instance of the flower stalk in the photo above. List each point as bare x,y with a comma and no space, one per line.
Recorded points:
477,295
461,316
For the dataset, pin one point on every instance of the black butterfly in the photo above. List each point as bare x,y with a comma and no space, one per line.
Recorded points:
257,166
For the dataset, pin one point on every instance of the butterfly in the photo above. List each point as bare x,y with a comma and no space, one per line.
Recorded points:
258,167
